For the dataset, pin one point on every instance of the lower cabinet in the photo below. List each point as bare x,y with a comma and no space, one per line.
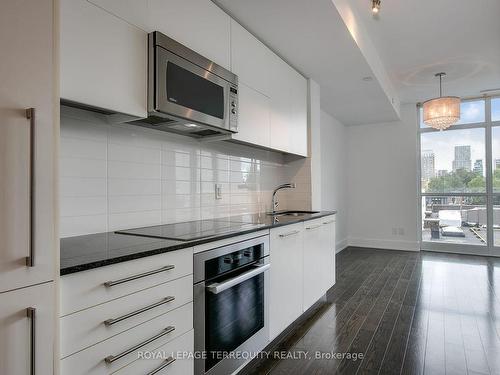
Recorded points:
123,349
174,358
314,255
302,269
27,330
285,303
133,317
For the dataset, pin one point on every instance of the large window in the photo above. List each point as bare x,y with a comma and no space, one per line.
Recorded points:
460,180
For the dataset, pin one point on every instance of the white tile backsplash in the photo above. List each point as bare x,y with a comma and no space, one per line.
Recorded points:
120,176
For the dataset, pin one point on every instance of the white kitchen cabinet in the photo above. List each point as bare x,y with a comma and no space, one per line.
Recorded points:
17,330
288,109
286,277
125,347
254,117
262,70
328,238
181,366
314,258
103,59
319,258
251,59
27,81
199,24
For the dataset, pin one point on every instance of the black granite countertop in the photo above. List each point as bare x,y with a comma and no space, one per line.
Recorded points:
86,252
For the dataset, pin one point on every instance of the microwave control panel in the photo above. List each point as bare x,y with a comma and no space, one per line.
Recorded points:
233,108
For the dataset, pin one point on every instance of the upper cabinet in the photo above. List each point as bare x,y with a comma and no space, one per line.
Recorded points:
103,59
199,24
104,63
251,59
289,109
273,79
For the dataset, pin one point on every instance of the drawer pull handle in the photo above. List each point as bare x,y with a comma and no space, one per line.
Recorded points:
329,222
30,259
166,363
31,314
289,233
112,358
313,226
138,276
110,322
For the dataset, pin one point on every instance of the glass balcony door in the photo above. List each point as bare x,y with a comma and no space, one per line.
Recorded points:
459,204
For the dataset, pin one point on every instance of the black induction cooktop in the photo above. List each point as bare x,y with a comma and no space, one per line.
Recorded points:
194,230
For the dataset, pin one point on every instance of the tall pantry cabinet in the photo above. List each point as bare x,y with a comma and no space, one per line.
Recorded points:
28,146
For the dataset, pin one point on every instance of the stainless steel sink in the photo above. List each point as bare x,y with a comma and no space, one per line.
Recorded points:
292,213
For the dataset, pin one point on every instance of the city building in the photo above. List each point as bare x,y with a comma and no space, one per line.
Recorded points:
478,167
428,160
497,163
462,158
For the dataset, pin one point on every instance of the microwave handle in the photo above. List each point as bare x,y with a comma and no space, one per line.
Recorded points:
217,288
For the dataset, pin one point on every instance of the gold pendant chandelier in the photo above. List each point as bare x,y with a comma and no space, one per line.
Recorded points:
440,113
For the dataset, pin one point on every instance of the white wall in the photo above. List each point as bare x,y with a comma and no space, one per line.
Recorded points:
123,176
382,183
334,173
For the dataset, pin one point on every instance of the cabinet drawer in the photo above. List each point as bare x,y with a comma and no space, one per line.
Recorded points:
92,361
87,288
287,233
183,345
90,326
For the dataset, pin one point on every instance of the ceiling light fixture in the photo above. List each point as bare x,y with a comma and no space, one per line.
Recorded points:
376,6
440,113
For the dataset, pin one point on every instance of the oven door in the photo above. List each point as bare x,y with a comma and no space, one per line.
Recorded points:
185,90
235,317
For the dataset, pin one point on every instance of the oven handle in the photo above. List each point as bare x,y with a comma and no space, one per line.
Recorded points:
216,288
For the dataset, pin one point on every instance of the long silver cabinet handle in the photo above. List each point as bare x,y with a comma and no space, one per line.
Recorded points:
216,288
289,233
166,363
314,226
138,276
30,259
112,358
329,222
110,322
31,314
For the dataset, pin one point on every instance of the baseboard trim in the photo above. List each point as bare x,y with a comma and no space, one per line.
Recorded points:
385,244
341,245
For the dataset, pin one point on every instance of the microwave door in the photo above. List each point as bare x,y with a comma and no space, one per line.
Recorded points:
187,91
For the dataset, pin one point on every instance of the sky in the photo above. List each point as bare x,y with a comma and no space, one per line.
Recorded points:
443,143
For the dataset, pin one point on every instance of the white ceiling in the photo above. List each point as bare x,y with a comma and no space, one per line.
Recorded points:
311,36
416,39
413,39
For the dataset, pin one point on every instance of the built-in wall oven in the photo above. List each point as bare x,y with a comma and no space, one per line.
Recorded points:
231,292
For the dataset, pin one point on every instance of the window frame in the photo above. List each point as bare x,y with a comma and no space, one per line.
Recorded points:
487,125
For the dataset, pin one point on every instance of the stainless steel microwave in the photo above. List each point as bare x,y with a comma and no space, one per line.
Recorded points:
187,93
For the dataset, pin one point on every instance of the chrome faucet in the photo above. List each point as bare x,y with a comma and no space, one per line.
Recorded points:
274,202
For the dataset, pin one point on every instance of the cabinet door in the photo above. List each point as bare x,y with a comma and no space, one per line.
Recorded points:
288,109
103,59
16,330
253,121
26,76
285,303
314,262
328,239
250,59
199,24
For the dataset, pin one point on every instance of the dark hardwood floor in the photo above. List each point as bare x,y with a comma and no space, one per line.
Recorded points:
406,313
